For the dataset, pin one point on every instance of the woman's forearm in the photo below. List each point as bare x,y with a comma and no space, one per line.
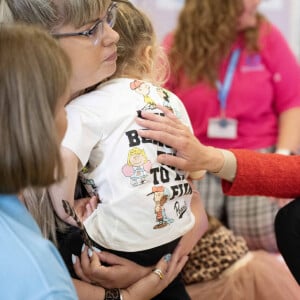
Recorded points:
288,131
87,291
228,170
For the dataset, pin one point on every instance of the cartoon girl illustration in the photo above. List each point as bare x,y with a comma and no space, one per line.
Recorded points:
161,196
143,88
138,166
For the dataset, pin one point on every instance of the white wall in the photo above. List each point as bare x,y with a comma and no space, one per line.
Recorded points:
283,13
286,15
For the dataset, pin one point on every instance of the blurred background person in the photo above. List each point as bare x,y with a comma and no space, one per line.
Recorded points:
239,81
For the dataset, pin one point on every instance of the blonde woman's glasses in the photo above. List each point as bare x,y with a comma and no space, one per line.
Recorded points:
95,33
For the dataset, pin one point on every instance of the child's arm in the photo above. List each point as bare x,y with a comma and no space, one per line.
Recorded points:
65,189
189,240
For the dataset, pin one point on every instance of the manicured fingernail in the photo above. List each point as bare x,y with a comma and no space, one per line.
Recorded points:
83,246
96,249
73,259
167,257
90,252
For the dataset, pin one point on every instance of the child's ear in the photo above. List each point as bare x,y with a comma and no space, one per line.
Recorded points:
148,53
147,56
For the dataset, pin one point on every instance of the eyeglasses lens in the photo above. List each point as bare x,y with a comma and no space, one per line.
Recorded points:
109,19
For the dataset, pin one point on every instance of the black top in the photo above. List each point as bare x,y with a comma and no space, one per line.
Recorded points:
287,229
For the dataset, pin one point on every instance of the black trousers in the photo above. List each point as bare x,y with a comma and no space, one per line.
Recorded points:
287,230
71,242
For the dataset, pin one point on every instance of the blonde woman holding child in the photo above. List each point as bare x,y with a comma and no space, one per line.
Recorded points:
145,207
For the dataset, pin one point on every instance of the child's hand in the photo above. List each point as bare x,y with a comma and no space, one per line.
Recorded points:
84,207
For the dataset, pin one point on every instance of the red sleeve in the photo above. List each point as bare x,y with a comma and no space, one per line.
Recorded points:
265,174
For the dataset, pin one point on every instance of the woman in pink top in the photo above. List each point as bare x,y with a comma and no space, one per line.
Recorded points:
240,84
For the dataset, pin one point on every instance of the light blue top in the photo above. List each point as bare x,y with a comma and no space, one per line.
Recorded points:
30,266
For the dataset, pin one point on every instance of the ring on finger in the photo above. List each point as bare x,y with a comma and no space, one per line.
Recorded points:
159,273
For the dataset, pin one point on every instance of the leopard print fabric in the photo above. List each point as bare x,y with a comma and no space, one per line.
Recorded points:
215,252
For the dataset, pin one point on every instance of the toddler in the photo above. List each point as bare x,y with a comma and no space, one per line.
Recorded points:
145,207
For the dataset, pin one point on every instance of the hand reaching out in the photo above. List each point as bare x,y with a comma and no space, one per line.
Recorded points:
191,155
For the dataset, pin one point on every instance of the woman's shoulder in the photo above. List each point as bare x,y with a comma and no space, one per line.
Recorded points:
269,32
29,259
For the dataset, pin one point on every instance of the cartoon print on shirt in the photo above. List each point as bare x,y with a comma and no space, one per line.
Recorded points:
89,184
165,95
162,93
143,88
180,210
161,196
137,167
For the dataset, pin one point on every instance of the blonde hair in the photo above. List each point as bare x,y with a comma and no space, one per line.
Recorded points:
39,204
203,37
34,73
136,151
136,35
52,14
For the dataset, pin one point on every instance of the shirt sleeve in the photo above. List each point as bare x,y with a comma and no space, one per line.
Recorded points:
264,174
284,66
83,131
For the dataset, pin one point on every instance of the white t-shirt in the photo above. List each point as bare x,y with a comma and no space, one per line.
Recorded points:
143,204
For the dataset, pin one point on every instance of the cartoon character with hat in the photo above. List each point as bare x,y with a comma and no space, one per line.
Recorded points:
161,196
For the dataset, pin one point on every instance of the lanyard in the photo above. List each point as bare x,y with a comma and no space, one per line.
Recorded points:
223,89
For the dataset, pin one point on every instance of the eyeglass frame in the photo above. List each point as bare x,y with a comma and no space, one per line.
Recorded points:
90,32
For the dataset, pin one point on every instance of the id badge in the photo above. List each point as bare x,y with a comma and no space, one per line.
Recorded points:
222,128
